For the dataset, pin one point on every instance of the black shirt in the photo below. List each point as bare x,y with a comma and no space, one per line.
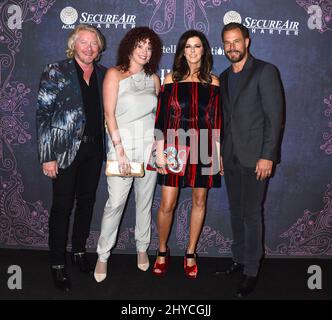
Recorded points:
233,80
91,102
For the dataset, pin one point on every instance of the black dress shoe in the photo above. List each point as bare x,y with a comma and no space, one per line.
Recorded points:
60,278
82,262
246,286
231,269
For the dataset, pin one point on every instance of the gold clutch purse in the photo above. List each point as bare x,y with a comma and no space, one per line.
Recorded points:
112,169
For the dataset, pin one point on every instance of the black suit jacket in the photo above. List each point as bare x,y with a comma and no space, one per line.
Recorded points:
252,120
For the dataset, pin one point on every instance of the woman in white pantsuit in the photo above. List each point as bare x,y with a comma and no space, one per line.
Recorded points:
130,101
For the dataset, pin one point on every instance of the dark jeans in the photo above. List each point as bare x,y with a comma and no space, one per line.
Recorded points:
77,182
246,196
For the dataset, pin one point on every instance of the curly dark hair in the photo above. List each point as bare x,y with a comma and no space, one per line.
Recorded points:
180,65
129,43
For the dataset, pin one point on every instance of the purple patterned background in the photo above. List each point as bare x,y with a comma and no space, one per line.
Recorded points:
298,211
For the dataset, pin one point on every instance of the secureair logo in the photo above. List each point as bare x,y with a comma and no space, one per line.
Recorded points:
232,16
264,26
69,17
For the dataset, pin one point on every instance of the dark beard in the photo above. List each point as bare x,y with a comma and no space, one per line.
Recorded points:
241,56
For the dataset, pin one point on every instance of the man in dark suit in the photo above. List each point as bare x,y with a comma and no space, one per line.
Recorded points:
71,148
252,103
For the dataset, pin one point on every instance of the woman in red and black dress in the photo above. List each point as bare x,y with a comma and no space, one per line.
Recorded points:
188,104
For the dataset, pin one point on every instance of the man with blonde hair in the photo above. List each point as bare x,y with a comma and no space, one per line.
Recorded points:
71,148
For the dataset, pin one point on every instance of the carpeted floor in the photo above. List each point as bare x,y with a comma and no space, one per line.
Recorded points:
280,279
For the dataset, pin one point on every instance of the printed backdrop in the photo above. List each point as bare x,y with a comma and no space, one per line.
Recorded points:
295,35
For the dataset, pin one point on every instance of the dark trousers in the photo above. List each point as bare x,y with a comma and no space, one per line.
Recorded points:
246,196
77,182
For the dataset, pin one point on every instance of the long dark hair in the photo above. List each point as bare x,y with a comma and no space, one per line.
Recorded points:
180,66
129,43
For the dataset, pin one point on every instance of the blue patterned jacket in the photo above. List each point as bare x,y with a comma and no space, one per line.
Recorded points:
60,112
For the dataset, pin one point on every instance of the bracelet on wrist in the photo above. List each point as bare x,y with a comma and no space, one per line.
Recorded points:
118,145
115,143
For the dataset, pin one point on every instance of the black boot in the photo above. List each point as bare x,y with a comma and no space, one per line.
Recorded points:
246,286
60,278
81,261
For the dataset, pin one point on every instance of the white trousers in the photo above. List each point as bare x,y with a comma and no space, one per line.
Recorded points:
118,190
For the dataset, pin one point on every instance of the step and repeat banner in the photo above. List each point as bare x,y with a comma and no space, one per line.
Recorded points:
295,35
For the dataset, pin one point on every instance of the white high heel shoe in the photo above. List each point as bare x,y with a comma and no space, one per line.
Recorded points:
100,271
142,261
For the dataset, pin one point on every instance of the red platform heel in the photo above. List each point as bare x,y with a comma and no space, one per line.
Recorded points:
159,269
190,271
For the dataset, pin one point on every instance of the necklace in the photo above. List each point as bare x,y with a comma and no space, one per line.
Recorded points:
139,80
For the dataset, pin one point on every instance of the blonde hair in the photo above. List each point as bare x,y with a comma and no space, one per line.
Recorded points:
70,51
